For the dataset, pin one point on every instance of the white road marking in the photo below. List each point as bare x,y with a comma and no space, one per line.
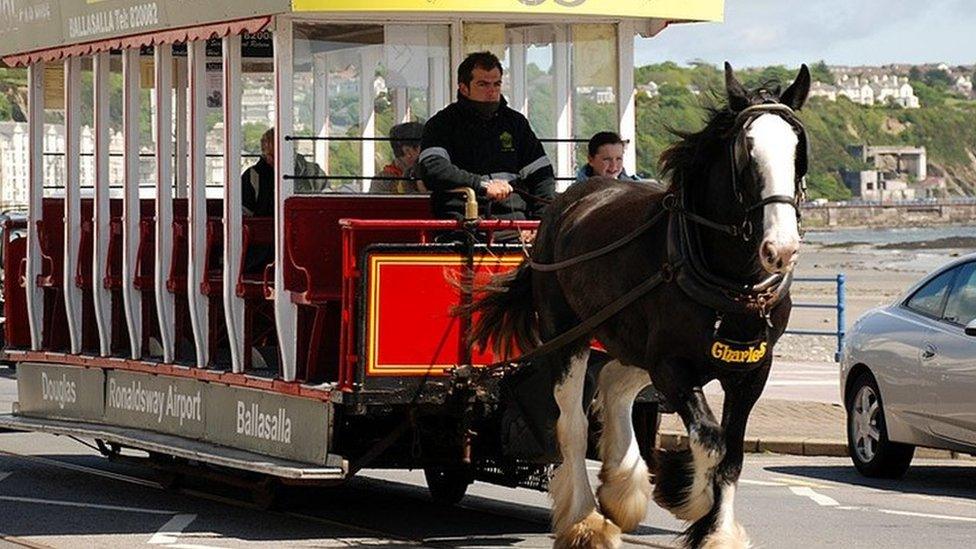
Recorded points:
4,475
927,515
802,383
192,546
170,531
86,505
761,482
820,499
787,481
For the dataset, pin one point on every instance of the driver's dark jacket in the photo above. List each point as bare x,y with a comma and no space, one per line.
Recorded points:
461,148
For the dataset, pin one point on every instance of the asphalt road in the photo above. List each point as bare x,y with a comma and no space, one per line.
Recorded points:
55,492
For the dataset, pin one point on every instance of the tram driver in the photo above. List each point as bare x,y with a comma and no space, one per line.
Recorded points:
481,143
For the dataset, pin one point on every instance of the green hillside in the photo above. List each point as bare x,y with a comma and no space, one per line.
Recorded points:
944,125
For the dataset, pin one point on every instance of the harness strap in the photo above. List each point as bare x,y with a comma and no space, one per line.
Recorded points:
601,316
774,199
729,229
626,239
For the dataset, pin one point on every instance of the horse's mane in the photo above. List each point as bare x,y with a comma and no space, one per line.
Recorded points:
681,161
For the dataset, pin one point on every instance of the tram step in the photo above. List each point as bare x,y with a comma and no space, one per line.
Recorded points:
177,446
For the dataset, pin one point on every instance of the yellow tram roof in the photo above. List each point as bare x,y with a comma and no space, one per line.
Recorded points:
38,25
683,10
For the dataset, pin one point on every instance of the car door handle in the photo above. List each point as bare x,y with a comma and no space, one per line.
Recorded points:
928,352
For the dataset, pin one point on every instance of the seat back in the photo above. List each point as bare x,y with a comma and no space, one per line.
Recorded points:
50,236
313,239
16,329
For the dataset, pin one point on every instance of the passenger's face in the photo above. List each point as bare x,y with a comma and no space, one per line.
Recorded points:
608,160
267,151
410,155
486,86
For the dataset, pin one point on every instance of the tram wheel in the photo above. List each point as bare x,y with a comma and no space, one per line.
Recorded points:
447,485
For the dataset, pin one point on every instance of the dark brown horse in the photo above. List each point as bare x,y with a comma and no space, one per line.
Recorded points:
715,256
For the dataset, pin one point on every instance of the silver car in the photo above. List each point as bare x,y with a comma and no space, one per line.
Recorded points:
908,373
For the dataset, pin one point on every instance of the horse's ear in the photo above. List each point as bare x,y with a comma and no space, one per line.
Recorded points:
738,97
796,95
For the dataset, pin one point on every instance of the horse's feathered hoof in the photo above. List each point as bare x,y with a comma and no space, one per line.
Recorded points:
735,538
624,494
593,532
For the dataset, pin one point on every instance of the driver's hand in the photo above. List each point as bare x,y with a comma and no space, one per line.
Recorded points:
528,236
498,189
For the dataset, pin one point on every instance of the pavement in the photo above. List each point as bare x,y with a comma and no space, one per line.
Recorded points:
799,413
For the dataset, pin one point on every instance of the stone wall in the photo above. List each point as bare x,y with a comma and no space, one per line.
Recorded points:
899,215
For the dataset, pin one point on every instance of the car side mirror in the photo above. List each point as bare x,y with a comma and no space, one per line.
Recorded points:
971,328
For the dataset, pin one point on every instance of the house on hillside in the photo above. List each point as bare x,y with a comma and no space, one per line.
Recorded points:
827,91
857,91
869,89
895,89
651,89
964,86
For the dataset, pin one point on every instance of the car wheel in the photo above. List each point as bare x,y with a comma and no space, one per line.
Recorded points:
447,485
867,436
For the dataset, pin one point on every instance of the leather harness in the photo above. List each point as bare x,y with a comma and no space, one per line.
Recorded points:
685,265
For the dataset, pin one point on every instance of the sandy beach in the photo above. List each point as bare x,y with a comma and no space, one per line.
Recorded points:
876,274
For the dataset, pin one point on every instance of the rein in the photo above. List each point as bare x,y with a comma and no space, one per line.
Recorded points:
766,293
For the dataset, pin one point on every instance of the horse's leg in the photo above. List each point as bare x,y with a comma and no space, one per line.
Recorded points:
719,527
625,485
685,478
575,519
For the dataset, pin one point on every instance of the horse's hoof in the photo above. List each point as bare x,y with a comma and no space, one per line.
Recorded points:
593,532
624,494
734,538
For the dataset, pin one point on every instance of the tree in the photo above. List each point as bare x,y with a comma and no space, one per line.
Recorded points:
938,79
819,72
768,77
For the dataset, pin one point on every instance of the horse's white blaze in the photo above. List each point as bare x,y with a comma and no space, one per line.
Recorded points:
626,487
570,488
774,151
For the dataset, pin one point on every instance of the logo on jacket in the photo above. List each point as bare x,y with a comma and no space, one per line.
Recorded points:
507,142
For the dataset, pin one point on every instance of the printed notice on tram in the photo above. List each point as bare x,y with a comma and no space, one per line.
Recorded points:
68,392
158,403
267,423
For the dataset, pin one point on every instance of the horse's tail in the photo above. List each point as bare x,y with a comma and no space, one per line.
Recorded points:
508,316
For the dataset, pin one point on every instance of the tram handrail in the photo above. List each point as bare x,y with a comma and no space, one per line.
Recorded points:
840,306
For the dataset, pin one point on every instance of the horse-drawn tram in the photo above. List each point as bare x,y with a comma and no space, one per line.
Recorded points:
147,309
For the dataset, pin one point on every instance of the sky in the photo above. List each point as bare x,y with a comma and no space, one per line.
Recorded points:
841,32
